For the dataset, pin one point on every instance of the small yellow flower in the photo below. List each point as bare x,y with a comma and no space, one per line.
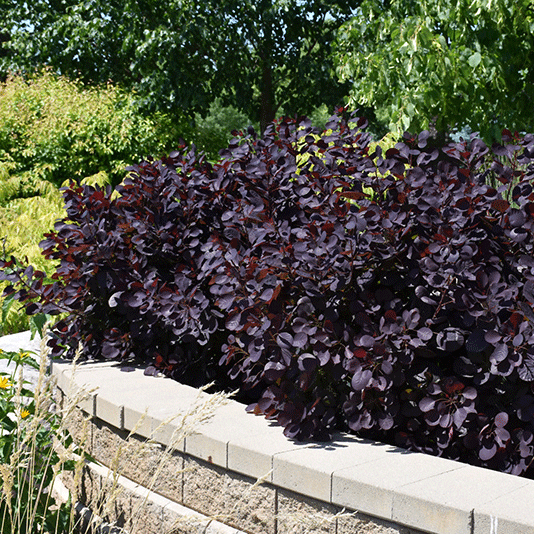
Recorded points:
4,383
24,414
23,354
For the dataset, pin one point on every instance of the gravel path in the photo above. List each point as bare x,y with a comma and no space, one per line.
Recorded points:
16,342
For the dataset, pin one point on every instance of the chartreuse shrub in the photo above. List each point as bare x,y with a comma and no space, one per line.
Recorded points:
56,129
387,293
23,222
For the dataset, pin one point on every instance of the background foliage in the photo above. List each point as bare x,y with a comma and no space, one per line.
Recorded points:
445,63
213,131
259,56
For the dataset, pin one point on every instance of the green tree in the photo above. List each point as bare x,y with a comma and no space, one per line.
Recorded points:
260,56
451,63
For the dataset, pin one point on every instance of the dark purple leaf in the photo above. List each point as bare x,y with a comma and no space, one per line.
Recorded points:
425,334
361,379
476,342
426,404
501,419
450,339
526,369
300,340
486,454
307,362
492,337
499,354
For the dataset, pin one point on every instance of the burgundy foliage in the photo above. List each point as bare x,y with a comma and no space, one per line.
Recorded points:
343,288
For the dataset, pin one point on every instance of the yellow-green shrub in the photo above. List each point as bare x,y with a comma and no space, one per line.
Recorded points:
23,221
56,129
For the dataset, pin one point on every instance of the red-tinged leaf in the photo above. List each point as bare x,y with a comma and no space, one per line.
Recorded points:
453,386
353,195
500,205
262,274
448,232
275,294
360,353
328,227
515,319
390,316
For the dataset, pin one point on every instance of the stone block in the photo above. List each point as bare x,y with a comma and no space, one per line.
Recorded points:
89,489
297,514
79,425
309,470
508,514
147,514
444,503
108,442
371,485
357,523
229,497
168,431
167,478
252,452
115,504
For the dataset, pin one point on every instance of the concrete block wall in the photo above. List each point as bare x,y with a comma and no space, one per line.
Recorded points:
347,486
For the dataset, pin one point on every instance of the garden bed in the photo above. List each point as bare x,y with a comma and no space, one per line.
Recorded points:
307,487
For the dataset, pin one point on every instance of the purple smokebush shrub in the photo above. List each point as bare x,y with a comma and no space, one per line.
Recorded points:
343,288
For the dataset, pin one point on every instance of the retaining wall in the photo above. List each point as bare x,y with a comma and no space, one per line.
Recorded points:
347,486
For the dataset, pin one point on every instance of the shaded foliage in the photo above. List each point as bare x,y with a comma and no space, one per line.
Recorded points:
180,56
344,288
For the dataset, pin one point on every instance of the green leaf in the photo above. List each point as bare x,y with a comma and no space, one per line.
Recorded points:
405,122
6,306
37,323
475,60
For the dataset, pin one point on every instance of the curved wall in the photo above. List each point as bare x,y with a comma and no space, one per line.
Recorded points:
347,486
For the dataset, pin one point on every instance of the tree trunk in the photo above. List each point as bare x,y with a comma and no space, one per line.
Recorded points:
267,112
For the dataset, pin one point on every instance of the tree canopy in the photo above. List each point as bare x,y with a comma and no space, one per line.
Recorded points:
260,55
450,63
